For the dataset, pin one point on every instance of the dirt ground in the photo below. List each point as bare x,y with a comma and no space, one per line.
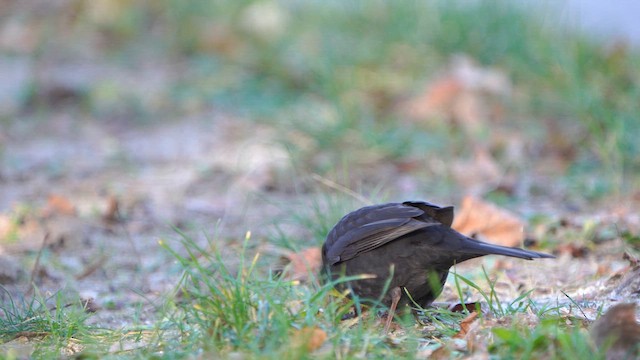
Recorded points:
104,195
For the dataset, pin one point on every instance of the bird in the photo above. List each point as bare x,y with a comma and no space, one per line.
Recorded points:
401,253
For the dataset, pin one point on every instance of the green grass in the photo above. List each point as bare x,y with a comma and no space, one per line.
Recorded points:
227,306
49,322
243,308
550,339
246,309
520,304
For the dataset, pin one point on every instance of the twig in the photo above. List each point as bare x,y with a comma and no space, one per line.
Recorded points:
336,186
91,268
36,265
136,253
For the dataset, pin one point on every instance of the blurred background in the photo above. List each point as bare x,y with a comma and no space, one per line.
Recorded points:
121,120
509,99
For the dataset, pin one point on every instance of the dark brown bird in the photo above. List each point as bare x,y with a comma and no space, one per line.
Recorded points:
405,247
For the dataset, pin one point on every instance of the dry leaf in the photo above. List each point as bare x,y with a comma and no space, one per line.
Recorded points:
574,250
7,226
309,337
502,264
629,286
603,270
471,331
436,99
465,325
58,205
633,261
394,327
301,264
112,214
460,95
459,307
495,224
618,331
441,353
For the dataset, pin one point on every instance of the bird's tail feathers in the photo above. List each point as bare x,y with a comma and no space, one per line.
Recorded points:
480,248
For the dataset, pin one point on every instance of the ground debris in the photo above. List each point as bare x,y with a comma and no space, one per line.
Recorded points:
618,332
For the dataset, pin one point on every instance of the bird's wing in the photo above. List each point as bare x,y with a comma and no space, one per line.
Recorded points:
442,214
371,227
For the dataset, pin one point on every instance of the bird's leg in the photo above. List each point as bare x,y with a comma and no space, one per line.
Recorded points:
396,293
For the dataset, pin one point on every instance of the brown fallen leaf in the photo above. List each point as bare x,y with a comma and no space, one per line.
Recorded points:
460,95
629,283
471,330
618,332
459,307
60,205
311,338
394,327
441,353
496,225
465,325
436,99
303,263
633,261
112,213
503,264
619,274
572,249
7,226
